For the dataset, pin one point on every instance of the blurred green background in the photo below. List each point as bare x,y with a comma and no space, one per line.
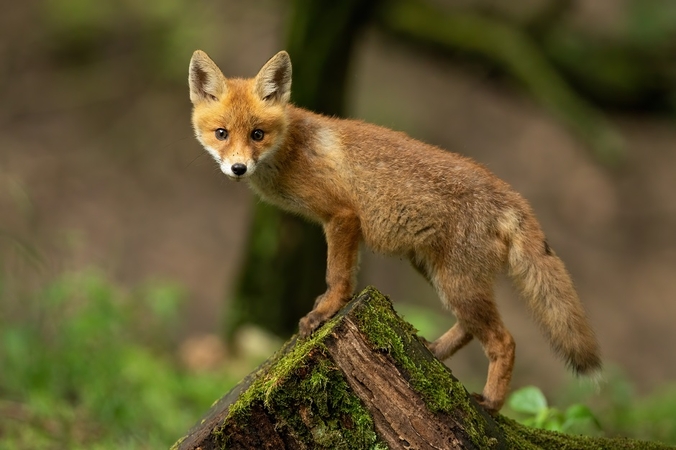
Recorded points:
137,285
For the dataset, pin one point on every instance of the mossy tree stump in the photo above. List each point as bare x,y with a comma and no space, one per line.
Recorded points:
364,381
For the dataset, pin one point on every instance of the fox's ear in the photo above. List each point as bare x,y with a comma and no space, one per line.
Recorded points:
205,78
273,82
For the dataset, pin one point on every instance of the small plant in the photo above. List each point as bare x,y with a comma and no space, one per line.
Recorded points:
88,364
531,403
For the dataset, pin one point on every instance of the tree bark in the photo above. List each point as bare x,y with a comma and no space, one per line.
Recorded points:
365,380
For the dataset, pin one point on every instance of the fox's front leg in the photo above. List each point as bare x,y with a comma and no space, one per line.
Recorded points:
342,238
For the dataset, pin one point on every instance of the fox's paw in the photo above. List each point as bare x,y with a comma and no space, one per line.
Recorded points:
492,407
310,323
426,343
433,347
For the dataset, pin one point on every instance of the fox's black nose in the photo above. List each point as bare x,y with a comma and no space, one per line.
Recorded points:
238,169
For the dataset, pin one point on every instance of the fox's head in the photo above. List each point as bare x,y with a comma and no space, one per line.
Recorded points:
240,122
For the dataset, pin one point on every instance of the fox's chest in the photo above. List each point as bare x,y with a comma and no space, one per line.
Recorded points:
314,194
274,190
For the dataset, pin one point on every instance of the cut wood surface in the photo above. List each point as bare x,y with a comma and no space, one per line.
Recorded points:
365,380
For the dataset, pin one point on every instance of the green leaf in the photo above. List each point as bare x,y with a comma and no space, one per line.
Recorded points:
528,400
553,425
577,414
579,411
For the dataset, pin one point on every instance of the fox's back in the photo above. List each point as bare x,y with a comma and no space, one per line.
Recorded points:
411,194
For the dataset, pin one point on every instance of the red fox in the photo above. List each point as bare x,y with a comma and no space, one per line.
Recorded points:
457,223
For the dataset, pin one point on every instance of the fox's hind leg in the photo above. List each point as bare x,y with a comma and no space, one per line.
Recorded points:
455,338
471,300
450,342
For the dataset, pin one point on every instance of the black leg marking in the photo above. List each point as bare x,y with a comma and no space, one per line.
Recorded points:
548,249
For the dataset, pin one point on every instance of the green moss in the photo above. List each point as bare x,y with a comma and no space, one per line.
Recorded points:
521,436
440,391
273,374
177,443
309,397
331,416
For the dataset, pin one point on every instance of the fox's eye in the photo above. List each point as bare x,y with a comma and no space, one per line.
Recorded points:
257,134
221,134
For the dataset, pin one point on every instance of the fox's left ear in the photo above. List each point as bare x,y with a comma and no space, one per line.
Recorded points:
273,82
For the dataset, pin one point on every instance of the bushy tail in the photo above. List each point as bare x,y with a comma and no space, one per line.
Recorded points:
545,283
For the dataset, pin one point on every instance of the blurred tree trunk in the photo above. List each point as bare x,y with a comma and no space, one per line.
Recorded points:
503,44
283,270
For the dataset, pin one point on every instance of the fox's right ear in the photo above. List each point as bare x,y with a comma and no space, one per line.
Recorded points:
205,78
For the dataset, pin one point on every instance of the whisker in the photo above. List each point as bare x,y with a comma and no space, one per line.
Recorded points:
195,159
174,142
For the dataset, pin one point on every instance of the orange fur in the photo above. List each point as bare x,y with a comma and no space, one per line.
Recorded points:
456,222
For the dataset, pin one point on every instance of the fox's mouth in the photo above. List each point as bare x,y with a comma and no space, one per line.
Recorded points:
232,176
237,171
